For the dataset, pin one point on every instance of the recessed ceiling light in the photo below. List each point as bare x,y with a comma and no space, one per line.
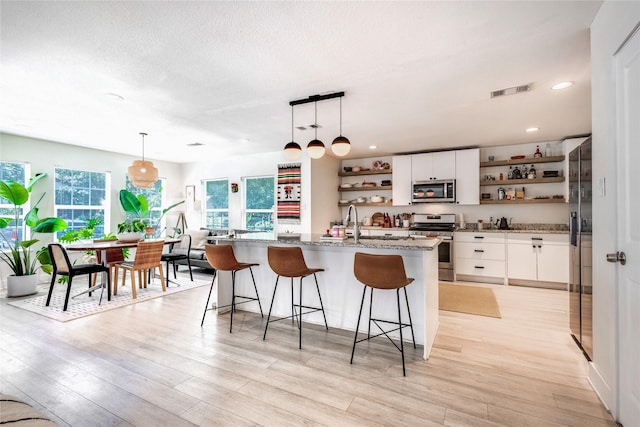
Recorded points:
244,140
373,147
195,144
115,96
561,85
532,129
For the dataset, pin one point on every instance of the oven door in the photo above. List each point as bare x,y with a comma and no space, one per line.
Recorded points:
445,259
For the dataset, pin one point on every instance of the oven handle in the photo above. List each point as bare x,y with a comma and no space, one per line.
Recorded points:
446,237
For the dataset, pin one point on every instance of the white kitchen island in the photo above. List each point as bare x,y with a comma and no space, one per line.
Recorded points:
341,292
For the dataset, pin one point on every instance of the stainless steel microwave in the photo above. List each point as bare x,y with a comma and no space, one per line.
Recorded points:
434,191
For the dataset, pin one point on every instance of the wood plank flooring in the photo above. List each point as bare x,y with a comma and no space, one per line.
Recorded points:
151,364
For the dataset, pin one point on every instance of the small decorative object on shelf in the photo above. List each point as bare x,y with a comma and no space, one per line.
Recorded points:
537,153
547,150
532,173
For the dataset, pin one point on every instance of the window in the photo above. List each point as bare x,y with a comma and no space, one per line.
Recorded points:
81,196
259,196
217,203
155,198
16,172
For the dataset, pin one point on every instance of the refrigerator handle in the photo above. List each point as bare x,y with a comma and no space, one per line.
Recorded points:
573,229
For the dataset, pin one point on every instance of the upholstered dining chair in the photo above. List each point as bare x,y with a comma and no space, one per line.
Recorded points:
62,266
178,251
148,258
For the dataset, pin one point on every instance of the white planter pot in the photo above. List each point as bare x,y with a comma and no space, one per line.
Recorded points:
130,237
18,286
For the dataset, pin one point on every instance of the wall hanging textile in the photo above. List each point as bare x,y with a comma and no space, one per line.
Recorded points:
289,192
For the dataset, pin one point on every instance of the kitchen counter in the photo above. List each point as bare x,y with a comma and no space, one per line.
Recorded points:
341,292
532,231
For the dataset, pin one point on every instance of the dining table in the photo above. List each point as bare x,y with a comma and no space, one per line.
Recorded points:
103,245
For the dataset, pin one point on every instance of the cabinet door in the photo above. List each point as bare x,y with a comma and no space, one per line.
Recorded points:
553,263
421,167
522,261
468,177
401,180
443,165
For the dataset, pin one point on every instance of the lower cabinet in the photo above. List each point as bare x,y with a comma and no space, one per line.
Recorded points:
479,257
538,257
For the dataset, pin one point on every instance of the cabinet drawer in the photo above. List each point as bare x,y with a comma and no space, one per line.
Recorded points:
489,268
480,250
479,237
542,239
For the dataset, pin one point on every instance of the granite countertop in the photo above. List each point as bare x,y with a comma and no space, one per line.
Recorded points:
408,243
519,228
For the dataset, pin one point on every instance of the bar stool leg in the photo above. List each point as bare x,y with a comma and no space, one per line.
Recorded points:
300,318
355,338
269,315
370,310
293,307
233,298
404,373
410,321
256,288
321,305
206,307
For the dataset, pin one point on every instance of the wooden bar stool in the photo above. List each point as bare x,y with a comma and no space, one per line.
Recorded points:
289,262
384,272
222,258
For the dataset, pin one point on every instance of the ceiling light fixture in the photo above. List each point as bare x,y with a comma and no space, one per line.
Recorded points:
315,148
292,151
561,85
341,145
142,173
373,147
534,129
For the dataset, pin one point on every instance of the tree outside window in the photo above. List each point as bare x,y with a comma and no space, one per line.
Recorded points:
81,196
259,202
17,172
217,204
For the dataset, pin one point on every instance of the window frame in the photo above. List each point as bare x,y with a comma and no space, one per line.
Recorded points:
246,210
26,169
205,208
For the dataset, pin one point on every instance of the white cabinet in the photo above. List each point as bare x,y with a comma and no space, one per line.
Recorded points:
429,166
401,180
467,176
480,256
538,257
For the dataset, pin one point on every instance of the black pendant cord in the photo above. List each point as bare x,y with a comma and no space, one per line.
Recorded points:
143,135
315,121
340,116
292,123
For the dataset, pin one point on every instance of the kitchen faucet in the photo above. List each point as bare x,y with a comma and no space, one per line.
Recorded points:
356,229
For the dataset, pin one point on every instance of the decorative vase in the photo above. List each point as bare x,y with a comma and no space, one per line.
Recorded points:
18,286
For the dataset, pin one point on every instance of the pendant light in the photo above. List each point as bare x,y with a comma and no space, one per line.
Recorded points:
341,145
142,173
315,148
292,151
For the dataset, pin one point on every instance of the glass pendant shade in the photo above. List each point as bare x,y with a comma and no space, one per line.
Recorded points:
315,149
142,173
292,151
341,146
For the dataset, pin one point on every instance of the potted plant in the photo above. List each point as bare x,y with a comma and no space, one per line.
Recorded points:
139,222
16,253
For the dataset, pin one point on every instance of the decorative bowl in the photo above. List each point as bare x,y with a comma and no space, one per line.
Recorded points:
377,199
130,237
517,157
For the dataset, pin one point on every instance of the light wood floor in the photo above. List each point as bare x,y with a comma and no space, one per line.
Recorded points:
151,364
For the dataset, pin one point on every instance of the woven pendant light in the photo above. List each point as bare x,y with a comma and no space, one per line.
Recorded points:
142,173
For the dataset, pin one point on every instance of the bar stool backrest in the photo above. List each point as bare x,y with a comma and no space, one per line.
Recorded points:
221,257
148,255
380,271
287,261
59,259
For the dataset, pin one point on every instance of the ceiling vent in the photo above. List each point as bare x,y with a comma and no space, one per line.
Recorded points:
195,144
511,90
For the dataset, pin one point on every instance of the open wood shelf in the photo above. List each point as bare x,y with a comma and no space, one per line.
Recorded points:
520,182
367,172
520,201
361,188
526,160
366,204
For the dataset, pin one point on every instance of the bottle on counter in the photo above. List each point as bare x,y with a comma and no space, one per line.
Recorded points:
532,173
387,221
397,221
537,153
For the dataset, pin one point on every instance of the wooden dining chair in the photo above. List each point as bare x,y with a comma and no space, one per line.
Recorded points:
148,258
113,256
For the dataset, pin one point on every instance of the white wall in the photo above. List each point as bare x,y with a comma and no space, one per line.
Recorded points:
611,26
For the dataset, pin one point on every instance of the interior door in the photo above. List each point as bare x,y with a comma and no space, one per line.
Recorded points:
627,62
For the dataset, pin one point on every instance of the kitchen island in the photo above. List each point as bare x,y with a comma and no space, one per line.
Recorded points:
341,292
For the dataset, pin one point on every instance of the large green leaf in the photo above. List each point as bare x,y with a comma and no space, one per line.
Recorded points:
27,243
50,225
130,203
144,206
4,222
14,192
31,218
35,179
164,211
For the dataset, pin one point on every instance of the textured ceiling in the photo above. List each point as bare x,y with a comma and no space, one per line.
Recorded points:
417,75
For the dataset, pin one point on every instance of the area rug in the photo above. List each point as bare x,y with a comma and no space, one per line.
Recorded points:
86,305
468,299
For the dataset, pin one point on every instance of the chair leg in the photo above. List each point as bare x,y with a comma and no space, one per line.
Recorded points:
355,338
206,307
53,282
404,373
174,272
410,321
109,284
300,318
66,298
233,298
190,272
161,270
254,287
133,284
269,315
321,305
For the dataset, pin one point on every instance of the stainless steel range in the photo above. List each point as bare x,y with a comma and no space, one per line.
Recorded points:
441,226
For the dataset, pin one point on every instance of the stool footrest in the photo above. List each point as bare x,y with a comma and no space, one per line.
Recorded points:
312,310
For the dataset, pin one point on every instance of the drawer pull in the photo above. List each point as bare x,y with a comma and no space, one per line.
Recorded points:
536,238
478,266
478,250
478,237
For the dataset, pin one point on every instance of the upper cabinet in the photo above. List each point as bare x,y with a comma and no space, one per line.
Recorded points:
467,176
432,166
401,180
